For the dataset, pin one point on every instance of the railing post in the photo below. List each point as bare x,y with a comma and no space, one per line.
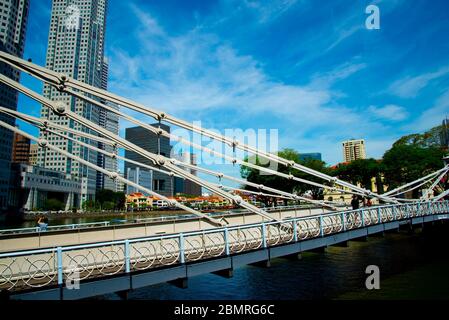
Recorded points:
127,257
395,213
379,218
181,248
59,262
429,207
264,235
362,214
321,226
295,231
226,240
343,221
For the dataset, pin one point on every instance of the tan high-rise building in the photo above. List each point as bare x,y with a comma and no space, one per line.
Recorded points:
354,150
33,154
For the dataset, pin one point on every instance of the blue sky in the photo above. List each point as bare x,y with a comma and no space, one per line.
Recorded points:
307,68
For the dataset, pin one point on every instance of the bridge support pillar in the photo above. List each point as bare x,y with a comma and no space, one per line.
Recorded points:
225,273
262,264
378,234
123,294
343,244
293,257
180,283
318,250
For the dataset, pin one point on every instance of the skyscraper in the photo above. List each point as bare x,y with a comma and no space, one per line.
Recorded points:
75,48
109,121
21,149
13,21
354,150
183,185
162,183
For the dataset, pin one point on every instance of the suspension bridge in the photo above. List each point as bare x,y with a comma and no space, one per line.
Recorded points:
105,258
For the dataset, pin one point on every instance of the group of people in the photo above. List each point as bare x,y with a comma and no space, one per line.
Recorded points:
42,223
355,202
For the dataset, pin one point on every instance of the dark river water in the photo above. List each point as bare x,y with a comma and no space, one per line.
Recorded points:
411,267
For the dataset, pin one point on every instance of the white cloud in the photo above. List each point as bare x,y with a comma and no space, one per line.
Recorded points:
270,10
409,87
389,112
193,75
196,71
432,116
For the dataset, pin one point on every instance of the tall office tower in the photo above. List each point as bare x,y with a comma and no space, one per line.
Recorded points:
162,183
109,121
75,48
13,21
141,177
21,149
33,154
354,150
186,186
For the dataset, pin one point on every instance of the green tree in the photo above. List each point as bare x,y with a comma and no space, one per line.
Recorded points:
280,183
430,138
361,172
53,204
405,163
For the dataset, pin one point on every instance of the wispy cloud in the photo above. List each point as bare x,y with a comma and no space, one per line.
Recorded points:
409,87
271,10
432,116
389,112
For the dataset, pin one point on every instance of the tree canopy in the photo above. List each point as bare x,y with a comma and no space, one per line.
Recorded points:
405,163
283,184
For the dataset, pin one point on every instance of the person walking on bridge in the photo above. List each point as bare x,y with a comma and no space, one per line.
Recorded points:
355,202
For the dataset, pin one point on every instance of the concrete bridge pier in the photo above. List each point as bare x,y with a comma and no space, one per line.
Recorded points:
343,244
123,294
225,273
181,283
262,264
318,250
293,257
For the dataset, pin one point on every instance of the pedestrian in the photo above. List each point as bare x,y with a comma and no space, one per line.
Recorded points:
355,202
368,202
42,223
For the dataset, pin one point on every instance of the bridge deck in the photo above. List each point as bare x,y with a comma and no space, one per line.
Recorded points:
190,253
63,236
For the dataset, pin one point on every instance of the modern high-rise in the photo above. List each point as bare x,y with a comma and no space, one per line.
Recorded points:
33,154
21,149
13,22
140,176
110,122
76,49
185,186
354,150
162,183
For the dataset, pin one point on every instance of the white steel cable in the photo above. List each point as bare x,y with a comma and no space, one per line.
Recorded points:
62,81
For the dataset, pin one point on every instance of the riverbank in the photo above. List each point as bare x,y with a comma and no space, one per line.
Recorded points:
115,214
